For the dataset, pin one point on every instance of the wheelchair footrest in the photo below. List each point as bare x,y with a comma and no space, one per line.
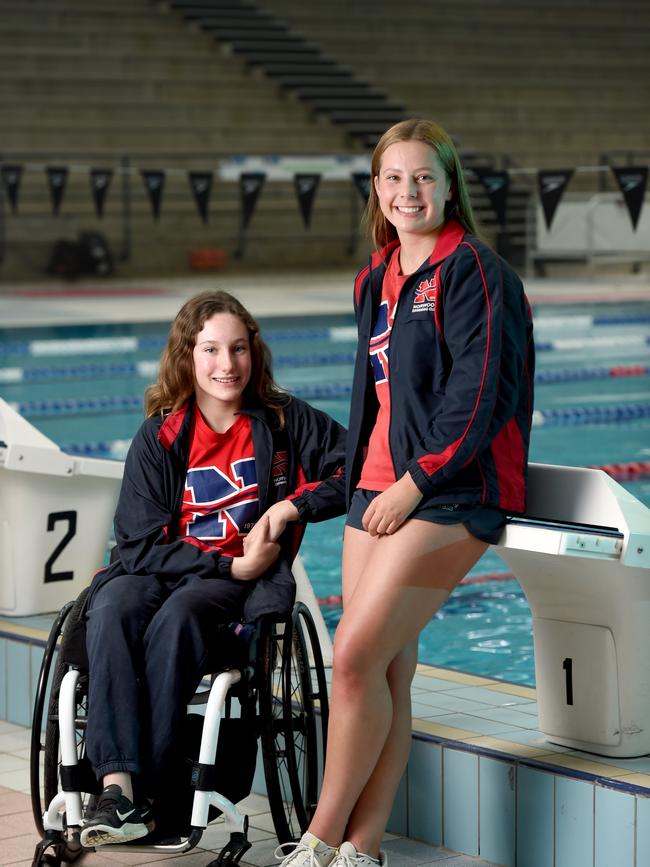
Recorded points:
233,850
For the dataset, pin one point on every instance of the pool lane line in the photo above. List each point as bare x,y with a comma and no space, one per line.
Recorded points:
56,407
149,370
50,347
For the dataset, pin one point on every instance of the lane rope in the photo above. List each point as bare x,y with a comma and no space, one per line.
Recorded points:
52,347
602,414
149,369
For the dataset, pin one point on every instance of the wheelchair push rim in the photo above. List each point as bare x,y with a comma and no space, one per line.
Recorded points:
63,846
293,711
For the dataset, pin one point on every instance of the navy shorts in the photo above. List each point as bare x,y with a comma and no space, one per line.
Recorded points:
484,523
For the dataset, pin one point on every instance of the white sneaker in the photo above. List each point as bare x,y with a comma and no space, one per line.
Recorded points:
349,857
309,851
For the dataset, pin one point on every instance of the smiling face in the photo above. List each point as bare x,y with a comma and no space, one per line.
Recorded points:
222,364
412,188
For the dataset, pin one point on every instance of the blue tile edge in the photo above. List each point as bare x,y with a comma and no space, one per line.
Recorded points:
537,764
23,639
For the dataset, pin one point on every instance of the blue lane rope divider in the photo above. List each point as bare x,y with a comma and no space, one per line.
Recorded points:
149,369
133,403
48,348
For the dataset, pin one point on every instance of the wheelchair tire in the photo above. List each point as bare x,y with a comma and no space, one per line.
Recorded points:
44,688
45,778
292,685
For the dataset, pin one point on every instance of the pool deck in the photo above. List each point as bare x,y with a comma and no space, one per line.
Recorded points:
476,742
289,294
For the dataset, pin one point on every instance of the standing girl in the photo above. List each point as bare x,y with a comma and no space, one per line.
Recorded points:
436,458
222,450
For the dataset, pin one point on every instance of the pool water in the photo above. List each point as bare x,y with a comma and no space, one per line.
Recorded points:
56,379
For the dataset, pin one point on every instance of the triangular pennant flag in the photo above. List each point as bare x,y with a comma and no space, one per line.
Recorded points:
496,185
552,183
11,176
250,187
201,185
154,182
362,183
632,181
100,181
305,186
57,177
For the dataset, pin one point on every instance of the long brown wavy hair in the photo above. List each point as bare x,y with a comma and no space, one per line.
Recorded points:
175,383
458,208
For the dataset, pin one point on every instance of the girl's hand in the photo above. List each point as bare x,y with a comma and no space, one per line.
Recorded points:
258,555
279,515
389,510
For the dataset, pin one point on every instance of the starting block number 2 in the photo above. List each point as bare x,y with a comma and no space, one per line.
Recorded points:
53,519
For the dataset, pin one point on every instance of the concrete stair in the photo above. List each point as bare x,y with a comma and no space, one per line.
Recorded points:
83,84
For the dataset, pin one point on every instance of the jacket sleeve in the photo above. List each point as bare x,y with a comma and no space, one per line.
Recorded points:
143,519
319,442
473,320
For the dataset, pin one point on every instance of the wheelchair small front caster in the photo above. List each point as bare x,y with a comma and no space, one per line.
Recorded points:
233,850
61,850
43,858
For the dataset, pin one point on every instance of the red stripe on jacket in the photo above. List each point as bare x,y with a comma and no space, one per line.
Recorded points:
507,449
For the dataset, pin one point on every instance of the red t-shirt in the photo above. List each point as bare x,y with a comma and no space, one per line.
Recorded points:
378,472
221,500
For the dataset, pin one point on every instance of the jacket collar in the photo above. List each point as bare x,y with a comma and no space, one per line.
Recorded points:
449,239
175,423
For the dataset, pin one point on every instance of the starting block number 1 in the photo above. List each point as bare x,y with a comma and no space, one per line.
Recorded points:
53,519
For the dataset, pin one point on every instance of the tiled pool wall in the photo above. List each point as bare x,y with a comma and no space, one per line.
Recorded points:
469,797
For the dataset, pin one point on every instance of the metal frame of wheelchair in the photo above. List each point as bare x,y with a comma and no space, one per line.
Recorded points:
281,686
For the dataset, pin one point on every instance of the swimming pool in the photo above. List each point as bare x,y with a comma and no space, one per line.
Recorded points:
83,386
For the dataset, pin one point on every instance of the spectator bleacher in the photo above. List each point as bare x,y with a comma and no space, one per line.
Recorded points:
136,84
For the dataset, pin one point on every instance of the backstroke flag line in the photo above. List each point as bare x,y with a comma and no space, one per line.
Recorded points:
632,181
11,176
306,186
250,187
57,177
551,184
362,183
100,181
154,182
496,184
201,186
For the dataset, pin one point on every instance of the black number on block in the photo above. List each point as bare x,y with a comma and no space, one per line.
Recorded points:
567,665
52,519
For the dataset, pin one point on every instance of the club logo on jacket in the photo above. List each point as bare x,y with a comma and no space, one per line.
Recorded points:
425,295
279,468
220,502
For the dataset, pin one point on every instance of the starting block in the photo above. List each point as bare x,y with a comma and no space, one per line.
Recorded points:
56,512
582,557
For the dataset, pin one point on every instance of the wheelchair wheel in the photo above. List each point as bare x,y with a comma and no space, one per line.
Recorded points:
45,748
291,690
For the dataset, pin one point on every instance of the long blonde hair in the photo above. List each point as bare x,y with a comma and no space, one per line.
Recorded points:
175,383
458,208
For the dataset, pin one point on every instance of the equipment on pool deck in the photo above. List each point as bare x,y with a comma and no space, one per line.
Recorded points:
582,556
56,512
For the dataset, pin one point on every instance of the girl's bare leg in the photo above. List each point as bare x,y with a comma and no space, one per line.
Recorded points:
399,582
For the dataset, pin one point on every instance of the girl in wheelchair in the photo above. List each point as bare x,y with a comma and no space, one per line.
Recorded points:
218,483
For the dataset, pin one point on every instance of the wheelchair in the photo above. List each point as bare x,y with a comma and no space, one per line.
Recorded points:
276,673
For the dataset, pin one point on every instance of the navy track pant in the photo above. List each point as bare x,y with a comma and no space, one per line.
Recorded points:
148,647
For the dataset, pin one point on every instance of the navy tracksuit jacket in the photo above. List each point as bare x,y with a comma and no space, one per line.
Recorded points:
461,362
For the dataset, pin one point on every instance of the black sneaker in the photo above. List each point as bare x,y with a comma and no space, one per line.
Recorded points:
116,820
